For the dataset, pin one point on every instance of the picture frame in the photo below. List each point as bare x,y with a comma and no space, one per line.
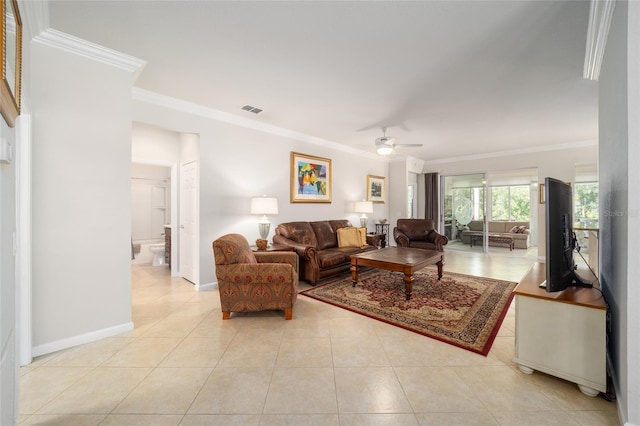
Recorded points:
11,54
310,179
376,188
541,199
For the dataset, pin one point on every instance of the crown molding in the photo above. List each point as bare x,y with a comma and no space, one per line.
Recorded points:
541,148
146,96
68,43
600,14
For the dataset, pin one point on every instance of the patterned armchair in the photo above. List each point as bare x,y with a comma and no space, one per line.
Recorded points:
250,282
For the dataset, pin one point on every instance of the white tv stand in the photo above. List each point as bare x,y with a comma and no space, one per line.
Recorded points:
563,333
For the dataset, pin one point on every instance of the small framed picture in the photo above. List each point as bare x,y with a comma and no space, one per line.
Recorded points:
541,193
376,189
310,179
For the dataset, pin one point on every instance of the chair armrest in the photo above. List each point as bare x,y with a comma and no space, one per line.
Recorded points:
287,257
438,239
401,239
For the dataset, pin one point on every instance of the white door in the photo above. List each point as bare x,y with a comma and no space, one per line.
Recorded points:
8,300
188,233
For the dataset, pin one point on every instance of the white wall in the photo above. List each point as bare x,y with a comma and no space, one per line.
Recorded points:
81,199
154,145
619,106
237,163
398,181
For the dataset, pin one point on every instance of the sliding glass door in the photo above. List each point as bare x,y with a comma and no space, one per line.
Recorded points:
463,211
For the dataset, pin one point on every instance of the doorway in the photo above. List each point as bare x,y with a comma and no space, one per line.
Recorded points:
150,210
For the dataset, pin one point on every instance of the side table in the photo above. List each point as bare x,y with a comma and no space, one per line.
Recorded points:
383,228
377,240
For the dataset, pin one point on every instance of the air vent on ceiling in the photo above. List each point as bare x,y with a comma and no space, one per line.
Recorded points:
252,109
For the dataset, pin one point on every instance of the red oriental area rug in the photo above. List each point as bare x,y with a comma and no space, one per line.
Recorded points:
461,310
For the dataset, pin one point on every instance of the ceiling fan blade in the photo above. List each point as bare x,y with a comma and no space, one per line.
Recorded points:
408,145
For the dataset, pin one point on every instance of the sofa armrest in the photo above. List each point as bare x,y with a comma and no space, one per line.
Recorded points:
303,250
286,257
401,239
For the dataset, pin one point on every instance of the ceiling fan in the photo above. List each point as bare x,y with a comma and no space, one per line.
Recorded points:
386,145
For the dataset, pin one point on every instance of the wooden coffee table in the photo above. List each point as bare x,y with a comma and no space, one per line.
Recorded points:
398,259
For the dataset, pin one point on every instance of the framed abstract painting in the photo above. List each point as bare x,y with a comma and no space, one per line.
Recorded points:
310,179
11,54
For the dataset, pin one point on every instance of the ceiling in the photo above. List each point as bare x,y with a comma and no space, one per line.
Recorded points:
461,78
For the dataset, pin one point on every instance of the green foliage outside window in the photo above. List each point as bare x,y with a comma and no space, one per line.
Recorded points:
500,203
520,203
510,203
586,204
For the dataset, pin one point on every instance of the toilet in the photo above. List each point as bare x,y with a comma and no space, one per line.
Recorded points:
157,250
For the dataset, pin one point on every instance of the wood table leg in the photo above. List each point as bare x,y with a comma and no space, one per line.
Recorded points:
354,273
439,269
408,285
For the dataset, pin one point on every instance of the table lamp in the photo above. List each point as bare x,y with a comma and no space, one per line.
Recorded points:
264,206
364,207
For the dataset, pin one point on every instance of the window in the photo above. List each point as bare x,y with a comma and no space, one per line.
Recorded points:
411,201
585,198
510,203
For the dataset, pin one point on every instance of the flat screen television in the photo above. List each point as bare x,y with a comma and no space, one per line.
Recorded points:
560,238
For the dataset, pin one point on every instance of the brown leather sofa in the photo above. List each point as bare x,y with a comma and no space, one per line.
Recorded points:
419,233
316,244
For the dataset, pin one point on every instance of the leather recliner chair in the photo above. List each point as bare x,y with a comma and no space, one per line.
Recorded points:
418,233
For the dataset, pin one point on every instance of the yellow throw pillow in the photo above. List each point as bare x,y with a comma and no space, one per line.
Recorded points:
349,237
363,236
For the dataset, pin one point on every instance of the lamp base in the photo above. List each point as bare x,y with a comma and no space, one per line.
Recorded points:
363,222
263,227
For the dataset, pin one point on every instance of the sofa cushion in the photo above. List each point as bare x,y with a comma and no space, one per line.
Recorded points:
498,227
513,230
363,236
340,223
350,237
415,229
476,225
325,234
331,257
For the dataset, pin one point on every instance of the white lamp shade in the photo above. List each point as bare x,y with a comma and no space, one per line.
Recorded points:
264,205
364,207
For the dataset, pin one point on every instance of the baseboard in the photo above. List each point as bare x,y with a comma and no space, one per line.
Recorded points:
81,339
205,287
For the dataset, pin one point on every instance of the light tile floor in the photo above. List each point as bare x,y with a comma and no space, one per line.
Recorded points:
183,365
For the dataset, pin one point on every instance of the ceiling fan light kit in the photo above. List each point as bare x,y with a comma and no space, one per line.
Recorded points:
383,149
386,146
